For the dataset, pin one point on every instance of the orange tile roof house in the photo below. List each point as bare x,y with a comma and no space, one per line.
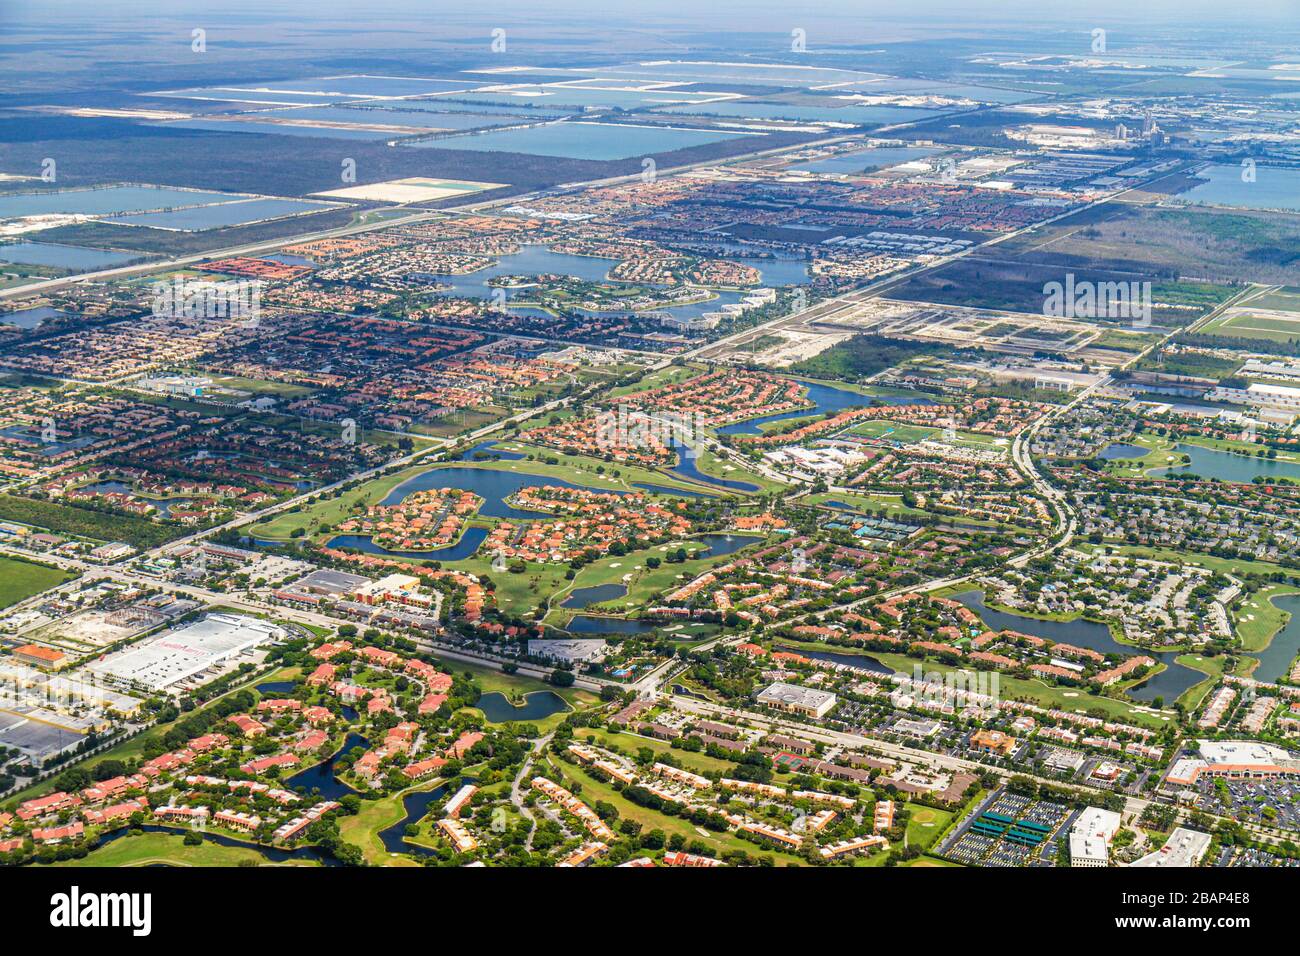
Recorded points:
431,703
321,675
993,741
463,743
68,831
247,725
43,806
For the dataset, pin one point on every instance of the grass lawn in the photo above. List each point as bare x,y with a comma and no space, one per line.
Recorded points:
170,849
925,825
259,386
1214,668
894,431
19,580
645,581
892,505
375,815
932,861
631,743
671,375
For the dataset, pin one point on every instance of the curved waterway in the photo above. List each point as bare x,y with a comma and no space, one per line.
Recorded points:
273,854
1275,660
863,661
469,543
688,468
415,806
1168,684
492,485
826,398
323,777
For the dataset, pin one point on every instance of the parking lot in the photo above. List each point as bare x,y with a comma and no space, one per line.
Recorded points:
1270,802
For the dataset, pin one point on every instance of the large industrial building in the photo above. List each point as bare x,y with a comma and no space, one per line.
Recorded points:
162,662
797,700
1234,759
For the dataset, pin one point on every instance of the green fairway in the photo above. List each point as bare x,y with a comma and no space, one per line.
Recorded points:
363,829
168,849
1259,619
630,743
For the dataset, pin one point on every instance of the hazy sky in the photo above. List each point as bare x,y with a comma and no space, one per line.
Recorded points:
708,15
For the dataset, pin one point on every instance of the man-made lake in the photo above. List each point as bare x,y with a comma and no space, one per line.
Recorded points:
1121,451
864,661
535,260
64,257
31,318
1225,466
827,398
464,548
272,688
720,544
1168,684
582,597
587,624
1273,188
880,158
100,202
489,449
538,705
225,214
491,484
1275,660
839,113
688,468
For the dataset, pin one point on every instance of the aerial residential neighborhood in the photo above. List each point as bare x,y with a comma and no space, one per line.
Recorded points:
731,439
